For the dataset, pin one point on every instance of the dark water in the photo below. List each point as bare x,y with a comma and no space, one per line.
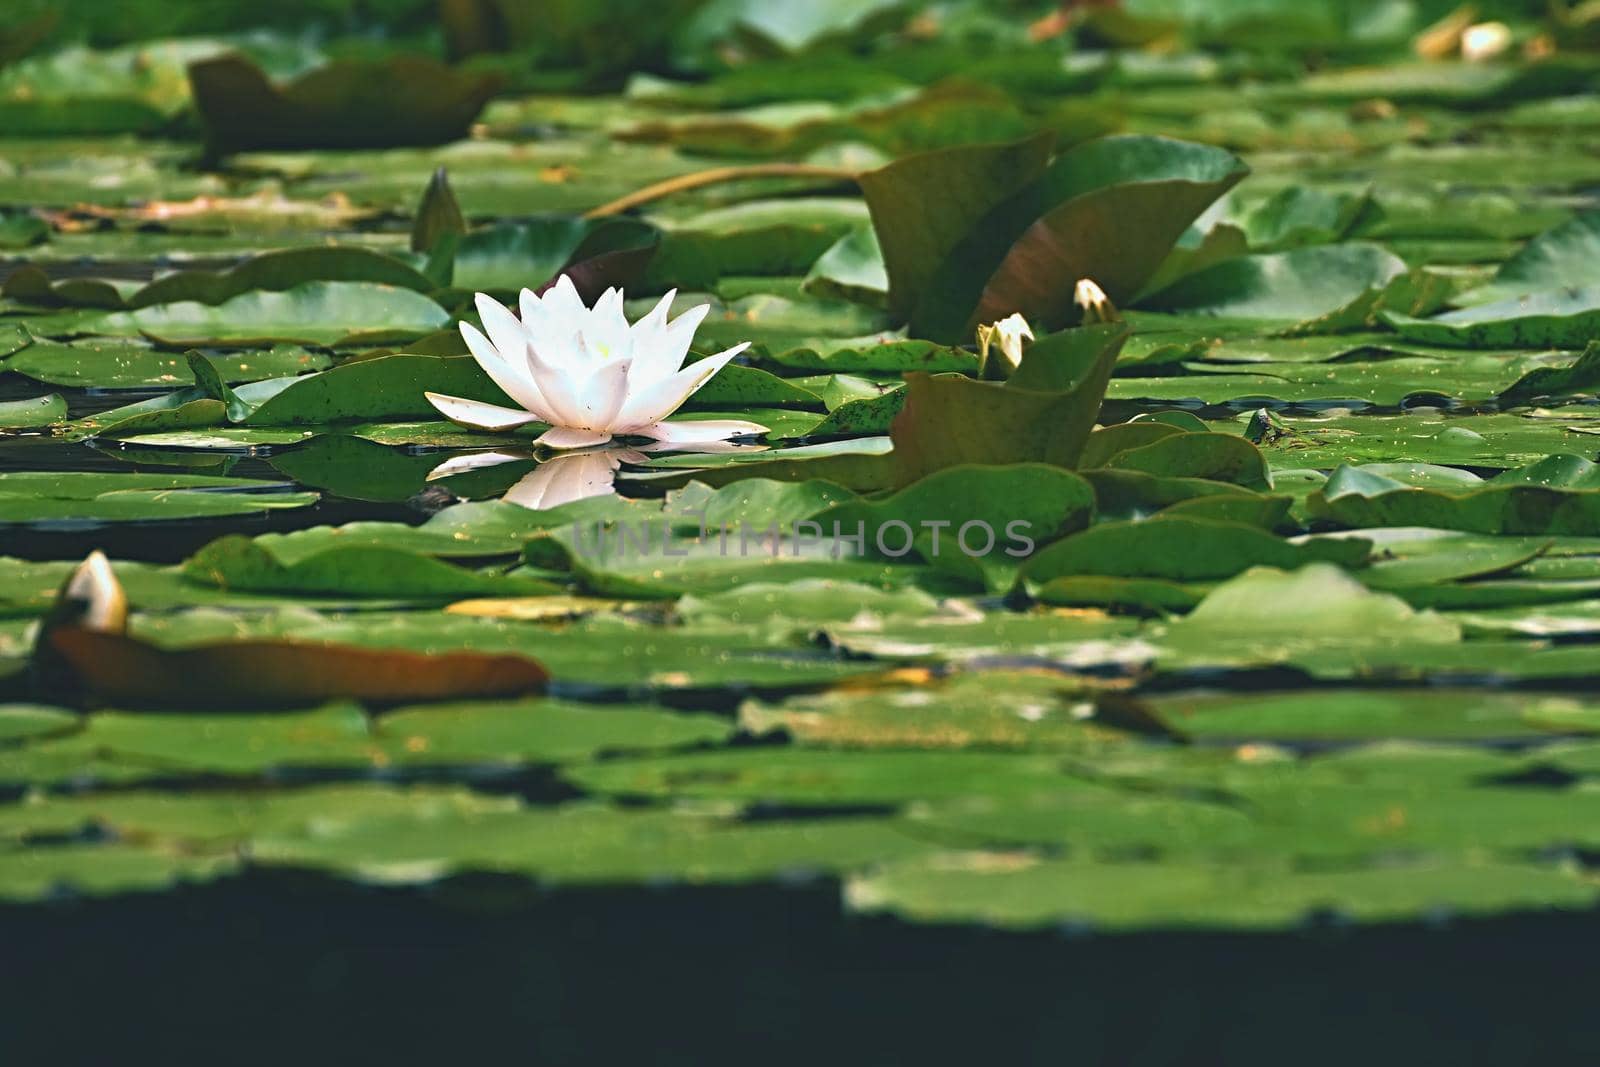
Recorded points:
289,969
174,540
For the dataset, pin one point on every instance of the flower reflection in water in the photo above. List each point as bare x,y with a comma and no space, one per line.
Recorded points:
573,475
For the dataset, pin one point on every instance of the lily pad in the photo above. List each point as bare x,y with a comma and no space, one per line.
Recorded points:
401,100
319,313
1025,252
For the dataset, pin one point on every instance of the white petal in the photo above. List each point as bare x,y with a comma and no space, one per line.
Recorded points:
563,311
657,359
550,321
532,307
700,432
608,314
690,320
656,402
502,327
567,437
516,379
564,479
560,392
478,415
656,318
605,392
474,461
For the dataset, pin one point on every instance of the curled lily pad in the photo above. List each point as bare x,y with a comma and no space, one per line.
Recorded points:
1561,257
852,269
1110,209
1583,376
1043,414
1562,318
1556,495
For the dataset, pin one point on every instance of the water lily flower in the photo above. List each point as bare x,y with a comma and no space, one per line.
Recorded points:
1008,335
588,373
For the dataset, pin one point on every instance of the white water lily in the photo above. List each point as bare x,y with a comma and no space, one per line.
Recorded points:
588,373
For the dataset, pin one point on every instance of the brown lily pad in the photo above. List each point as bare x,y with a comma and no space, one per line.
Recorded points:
395,102
113,668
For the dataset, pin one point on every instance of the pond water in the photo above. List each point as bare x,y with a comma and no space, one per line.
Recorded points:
538,495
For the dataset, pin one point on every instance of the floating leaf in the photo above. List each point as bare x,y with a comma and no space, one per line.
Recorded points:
1265,615
321,313
122,670
1560,258
351,570
383,388
851,269
27,414
1564,318
43,496
401,100
1301,284
1556,495
1182,549
1544,382
1009,890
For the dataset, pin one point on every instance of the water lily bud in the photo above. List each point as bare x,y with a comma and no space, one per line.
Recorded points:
1096,305
90,599
96,596
1007,335
1486,40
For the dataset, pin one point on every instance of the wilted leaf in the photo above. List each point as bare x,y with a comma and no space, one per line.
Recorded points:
122,670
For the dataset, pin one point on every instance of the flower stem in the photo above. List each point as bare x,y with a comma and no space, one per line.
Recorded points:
716,176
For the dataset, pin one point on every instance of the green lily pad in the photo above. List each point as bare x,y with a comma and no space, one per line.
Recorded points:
1564,318
236,562
1022,892
1182,549
1559,258
28,414
1295,285
319,313
1555,495
45,496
